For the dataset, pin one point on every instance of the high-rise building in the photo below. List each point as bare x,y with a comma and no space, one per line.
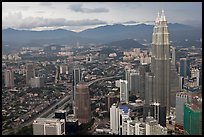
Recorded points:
184,67
161,61
124,95
173,56
30,72
111,98
153,128
57,74
36,82
9,78
72,125
47,126
181,82
192,119
134,83
181,99
114,119
195,73
76,78
149,89
63,69
142,69
61,114
82,103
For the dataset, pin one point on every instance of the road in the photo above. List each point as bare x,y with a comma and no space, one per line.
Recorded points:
105,78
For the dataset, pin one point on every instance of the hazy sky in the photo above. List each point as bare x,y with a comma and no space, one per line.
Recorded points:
77,16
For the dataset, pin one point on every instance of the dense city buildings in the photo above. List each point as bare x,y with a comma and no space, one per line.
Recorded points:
138,86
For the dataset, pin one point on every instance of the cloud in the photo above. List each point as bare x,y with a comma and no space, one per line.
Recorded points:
15,20
130,22
40,11
47,4
78,8
24,7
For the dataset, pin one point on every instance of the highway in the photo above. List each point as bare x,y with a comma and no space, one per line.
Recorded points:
105,78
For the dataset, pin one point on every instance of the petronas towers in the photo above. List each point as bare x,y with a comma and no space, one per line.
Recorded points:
160,63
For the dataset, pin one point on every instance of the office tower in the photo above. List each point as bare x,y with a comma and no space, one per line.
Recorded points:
153,128
142,69
192,119
63,69
57,74
173,56
149,89
114,119
111,98
181,99
174,84
184,67
9,78
61,114
161,61
156,110
181,82
134,83
47,126
72,125
82,103
195,73
124,95
127,77
30,72
76,78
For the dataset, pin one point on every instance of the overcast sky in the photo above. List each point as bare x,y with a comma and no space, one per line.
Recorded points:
78,16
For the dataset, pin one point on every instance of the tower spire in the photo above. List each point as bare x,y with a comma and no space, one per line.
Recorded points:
163,18
157,18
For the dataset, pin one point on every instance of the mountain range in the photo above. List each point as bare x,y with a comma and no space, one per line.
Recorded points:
142,33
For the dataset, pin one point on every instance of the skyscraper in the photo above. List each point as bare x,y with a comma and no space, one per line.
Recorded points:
30,72
134,83
161,61
9,78
114,119
142,69
124,95
82,103
76,78
184,67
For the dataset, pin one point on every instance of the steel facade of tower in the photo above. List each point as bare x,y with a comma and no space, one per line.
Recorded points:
161,62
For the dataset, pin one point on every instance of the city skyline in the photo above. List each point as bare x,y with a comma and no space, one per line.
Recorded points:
77,16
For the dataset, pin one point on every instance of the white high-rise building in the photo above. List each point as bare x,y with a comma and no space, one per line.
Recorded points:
114,119
153,128
48,126
181,99
124,95
195,73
